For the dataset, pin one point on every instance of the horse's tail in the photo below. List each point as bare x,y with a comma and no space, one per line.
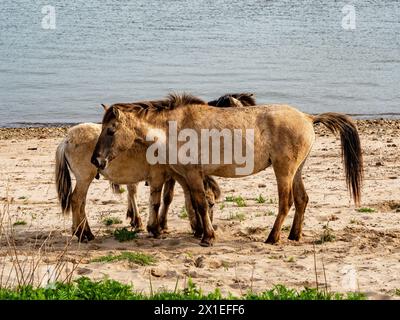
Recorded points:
63,179
351,149
209,182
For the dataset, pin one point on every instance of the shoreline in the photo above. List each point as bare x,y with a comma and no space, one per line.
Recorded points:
367,126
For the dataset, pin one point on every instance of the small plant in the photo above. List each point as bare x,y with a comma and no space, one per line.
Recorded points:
134,257
19,223
124,234
237,216
260,199
366,210
238,200
222,206
285,228
326,236
22,198
291,259
269,213
355,221
397,292
183,214
111,221
122,190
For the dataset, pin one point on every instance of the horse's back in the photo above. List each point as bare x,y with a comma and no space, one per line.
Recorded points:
79,146
289,131
84,133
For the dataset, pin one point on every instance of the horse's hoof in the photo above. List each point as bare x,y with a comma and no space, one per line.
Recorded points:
84,236
198,234
156,232
271,240
294,237
164,228
207,242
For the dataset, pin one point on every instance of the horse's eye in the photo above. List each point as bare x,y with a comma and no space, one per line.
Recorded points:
110,132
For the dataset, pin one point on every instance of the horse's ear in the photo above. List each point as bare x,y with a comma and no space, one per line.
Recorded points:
117,114
233,102
105,107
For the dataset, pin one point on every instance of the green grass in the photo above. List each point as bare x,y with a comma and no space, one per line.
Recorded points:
260,199
19,223
366,210
86,289
238,200
183,214
134,257
237,216
112,220
124,234
122,190
326,236
397,292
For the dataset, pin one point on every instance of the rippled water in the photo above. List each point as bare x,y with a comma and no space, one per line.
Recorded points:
285,51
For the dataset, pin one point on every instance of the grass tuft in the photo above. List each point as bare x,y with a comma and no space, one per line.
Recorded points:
260,199
183,214
237,216
326,236
366,210
112,220
134,257
238,200
124,234
19,223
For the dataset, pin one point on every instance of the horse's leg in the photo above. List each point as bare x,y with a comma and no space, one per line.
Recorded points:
285,183
300,202
133,209
153,224
194,217
167,195
199,200
80,225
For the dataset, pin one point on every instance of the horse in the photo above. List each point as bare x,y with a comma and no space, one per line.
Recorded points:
279,136
74,153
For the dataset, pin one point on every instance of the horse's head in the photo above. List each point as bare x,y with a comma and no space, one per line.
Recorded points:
234,100
115,137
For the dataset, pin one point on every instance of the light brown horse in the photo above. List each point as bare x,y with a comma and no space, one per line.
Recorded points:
283,137
74,154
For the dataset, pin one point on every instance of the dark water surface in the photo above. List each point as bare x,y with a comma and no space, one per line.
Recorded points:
285,51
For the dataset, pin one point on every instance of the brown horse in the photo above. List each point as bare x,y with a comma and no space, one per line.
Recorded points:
74,154
282,137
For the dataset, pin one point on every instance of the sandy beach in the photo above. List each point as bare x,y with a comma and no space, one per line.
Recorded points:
361,252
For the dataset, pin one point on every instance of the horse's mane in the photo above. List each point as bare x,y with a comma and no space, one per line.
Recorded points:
172,101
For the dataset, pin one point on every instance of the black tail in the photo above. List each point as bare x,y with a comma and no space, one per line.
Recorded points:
63,179
351,149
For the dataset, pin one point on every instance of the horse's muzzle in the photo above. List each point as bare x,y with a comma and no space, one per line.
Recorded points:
98,162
